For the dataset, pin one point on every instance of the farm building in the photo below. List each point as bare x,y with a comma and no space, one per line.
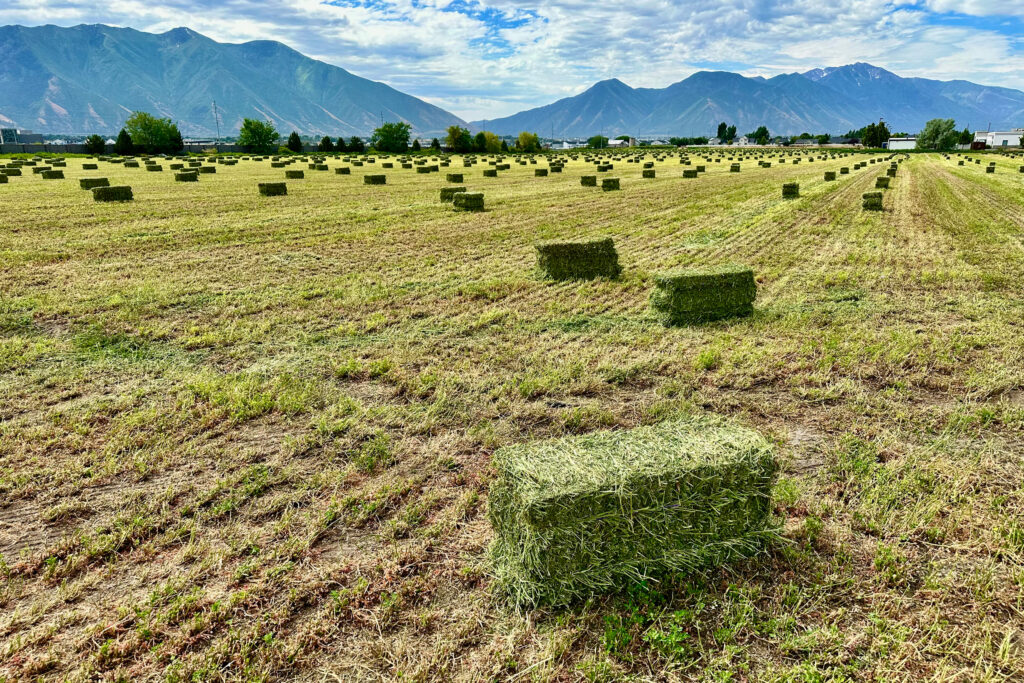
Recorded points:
902,143
1009,138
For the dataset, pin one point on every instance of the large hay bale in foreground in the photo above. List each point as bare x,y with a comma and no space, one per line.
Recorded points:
585,515
115,193
468,201
700,295
273,189
872,201
90,183
578,260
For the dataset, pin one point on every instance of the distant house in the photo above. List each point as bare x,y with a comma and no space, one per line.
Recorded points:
842,141
805,142
715,141
901,143
1008,138
618,143
741,141
15,136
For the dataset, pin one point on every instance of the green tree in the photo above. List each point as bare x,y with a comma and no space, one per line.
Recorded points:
938,134
823,139
258,136
435,145
416,146
875,135
597,142
340,146
528,142
504,146
730,133
123,146
294,142
326,145
459,140
761,136
94,144
966,137
391,137
356,145
480,142
491,143
723,130
153,135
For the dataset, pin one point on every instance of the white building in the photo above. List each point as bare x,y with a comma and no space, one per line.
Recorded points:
902,143
618,143
1008,138
741,141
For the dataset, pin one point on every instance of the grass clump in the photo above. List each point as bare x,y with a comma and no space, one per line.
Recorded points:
578,260
700,295
580,516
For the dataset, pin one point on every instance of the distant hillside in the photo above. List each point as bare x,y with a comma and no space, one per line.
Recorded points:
831,100
90,78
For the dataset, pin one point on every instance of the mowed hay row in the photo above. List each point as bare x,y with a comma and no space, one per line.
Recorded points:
580,516
699,295
578,260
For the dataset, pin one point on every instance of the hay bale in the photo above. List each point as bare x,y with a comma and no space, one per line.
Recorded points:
466,201
882,183
448,193
648,173
90,167
3,179
588,181
375,179
689,173
830,176
53,175
988,169
578,260
610,184
11,171
131,164
701,169
273,189
90,183
186,177
872,201
294,174
699,295
454,178
734,168
845,170
790,190
583,515
343,170
116,193
490,173
890,172
154,168
540,172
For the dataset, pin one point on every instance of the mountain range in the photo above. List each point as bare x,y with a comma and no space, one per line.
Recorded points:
89,78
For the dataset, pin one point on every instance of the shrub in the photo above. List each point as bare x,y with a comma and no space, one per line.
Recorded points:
115,193
590,514
610,184
448,193
273,189
700,295
578,260
294,174
375,180
790,190
872,201
588,181
464,201
90,183
186,177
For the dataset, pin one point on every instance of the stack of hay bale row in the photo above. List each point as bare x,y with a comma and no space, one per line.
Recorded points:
578,260
585,515
700,295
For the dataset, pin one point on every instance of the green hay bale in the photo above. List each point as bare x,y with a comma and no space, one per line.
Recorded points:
90,183
358,163
53,175
90,167
830,175
700,295
294,175
1021,169
588,181
734,168
423,169
689,173
465,201
702,169
790,190
872,201
882,183
540,172
610,184
648,173
186,177
116,193
277,164
375,180
448,193
490,173
845,170
131,164
154,168
454,178
578,260
3,179
387,164
890,172
584,515
989,169
273,189
343,170
37,170
11,171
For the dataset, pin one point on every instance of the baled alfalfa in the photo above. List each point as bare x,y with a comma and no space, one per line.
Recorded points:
702,169
490,173
3,179
273,189
37,170
359,163
988,169
610,184
588,181
454,177
186,177
423,169
890,172
131,164
578,259
882,183
604,168
387,164
343,170
112,193
540,172
734,168
278,164
696,295
468,201
1021,169
845,170
53,174
830,176
689,173
648,173
11,171
294,174
790,190
872,201
585,515
448,193
375,180
155,168
90,167
90,183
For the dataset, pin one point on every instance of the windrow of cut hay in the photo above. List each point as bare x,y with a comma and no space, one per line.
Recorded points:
585,515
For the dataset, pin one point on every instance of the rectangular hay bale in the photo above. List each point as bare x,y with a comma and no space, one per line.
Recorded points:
578,260
704,294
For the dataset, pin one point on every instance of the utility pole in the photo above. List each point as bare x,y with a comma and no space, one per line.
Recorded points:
216,117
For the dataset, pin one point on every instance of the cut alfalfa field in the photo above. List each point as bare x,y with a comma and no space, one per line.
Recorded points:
580,516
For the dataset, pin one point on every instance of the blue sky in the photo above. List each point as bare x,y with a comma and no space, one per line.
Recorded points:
490,58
